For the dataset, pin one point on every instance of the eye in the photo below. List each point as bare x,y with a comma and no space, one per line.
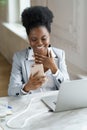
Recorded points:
33,39
44,39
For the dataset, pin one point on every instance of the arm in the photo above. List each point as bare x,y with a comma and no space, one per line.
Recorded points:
61,74
17,85
16,80
58,69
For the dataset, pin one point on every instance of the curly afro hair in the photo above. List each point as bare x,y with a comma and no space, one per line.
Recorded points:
37,16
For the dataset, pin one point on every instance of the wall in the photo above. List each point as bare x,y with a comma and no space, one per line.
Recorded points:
85,34
11,43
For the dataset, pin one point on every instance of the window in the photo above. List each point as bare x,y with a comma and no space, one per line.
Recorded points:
15,8
23,4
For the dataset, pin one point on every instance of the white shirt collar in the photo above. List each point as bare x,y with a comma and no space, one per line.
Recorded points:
31,53
50,49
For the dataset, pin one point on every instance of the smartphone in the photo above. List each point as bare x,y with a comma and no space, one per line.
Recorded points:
37,68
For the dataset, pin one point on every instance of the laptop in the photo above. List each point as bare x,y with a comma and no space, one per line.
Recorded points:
72,95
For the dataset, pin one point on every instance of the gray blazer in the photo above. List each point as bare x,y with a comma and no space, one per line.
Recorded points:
21,71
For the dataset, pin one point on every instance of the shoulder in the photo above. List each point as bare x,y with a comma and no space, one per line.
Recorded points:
20,54
57,49
59,52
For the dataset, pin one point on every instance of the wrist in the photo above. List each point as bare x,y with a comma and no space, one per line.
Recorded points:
27,88
54,69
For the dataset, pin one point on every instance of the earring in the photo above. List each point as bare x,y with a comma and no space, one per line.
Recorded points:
29,47
49,45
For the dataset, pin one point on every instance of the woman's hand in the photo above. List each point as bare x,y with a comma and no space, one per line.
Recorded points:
47,61
34,82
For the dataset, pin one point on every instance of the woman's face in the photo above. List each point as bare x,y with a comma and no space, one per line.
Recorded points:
39,38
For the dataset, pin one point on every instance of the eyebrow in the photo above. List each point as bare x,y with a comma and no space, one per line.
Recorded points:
34,36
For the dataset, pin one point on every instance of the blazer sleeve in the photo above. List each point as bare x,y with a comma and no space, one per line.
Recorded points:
62,73
16,80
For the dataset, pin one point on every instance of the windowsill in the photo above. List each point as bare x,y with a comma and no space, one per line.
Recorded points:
18,29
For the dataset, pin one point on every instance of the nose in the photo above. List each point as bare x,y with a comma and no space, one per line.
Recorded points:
39,42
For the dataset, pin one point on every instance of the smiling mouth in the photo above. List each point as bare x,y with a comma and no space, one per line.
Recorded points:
40,47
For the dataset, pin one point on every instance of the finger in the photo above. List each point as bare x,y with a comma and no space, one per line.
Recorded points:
41,81
38,62
50,54
40,78
39,55
39,58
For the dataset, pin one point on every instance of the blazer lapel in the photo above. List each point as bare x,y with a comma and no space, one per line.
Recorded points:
28,65
29,60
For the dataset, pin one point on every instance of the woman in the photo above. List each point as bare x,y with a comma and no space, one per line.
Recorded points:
37,22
